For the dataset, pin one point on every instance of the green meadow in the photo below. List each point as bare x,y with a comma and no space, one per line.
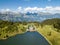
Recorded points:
50,29
52,36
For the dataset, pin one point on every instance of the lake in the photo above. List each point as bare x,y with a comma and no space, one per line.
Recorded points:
28,38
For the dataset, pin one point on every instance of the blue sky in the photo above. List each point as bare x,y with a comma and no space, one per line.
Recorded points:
51,6
13,4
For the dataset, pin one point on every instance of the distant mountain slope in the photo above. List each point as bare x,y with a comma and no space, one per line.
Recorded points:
51,21
28,16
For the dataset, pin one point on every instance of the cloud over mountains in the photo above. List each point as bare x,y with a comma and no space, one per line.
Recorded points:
47,9
30,13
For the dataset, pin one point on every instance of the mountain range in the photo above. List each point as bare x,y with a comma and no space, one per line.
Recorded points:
11,16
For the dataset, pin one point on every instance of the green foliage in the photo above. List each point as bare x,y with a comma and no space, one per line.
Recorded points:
54,22
10,28
57,26
49,33
51,21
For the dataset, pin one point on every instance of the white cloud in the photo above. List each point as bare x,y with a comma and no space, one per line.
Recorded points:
34,9
4,11
48,9
19,8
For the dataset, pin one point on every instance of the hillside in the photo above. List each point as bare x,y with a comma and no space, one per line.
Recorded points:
8,29
51,21
49,28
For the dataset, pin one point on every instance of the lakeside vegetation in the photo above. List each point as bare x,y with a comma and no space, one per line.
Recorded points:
49,28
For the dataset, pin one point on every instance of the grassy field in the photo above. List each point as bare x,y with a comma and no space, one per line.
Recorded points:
48,32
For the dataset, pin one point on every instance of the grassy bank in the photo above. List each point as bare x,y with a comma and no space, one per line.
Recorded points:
49,33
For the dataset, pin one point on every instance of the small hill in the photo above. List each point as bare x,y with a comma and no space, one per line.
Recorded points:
51,21
8,29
